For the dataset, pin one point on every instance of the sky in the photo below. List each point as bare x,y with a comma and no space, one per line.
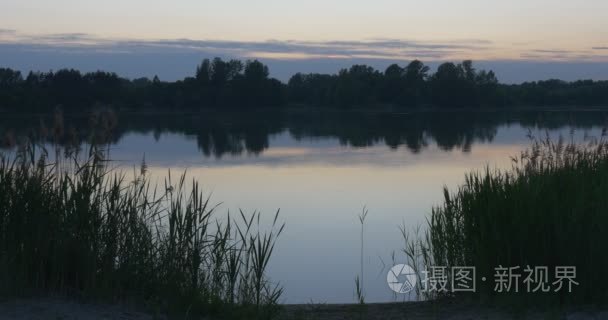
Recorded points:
522,39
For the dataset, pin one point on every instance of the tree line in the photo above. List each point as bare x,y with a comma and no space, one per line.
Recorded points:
233,83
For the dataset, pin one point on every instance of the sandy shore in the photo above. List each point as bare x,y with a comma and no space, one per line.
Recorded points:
59,309
427,310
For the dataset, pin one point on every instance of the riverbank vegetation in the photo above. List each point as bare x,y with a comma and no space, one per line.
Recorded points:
219,84
550,210
71,225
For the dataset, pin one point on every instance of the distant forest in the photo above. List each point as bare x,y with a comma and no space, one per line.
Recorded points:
236,84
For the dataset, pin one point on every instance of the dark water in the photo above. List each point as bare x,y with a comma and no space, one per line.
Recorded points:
320,169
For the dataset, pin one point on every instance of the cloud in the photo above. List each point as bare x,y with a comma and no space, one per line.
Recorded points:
373,48
562,55
552,51
173,59
308,49
290,50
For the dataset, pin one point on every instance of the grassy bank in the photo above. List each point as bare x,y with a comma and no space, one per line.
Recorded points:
73,226
550,209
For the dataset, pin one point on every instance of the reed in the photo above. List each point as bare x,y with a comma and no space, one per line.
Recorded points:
550,209
359,284
75,226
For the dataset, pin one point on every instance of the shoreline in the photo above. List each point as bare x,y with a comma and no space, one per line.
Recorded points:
64,308
381,109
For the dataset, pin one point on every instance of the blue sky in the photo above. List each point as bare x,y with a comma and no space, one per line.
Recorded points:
522,40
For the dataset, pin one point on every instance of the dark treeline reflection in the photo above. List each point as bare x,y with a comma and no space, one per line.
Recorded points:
235,133
220,85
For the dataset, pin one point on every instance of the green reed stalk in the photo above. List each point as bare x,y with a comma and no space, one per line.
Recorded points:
76,227
550,209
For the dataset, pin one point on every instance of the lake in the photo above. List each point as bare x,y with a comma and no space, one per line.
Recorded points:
320,169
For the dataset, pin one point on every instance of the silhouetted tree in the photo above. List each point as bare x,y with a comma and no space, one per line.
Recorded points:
393,86
203,72
357,86
223,84
416,75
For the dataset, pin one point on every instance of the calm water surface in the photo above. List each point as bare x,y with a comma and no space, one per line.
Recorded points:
320,169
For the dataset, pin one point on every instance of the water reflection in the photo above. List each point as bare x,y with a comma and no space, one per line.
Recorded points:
320,169
221,134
